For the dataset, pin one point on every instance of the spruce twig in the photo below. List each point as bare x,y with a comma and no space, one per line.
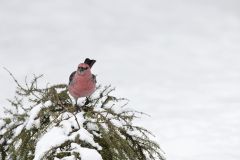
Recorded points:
104,118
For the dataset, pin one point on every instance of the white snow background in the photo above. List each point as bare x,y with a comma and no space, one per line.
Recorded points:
177,60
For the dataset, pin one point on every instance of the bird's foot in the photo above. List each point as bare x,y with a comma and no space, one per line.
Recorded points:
87,101
78,108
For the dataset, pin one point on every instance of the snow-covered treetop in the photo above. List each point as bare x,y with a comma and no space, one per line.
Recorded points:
44,124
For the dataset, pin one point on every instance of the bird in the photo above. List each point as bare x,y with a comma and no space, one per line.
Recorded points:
82,83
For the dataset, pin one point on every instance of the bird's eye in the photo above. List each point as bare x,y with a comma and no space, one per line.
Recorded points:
82,68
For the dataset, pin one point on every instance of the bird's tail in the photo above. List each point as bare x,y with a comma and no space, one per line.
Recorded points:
90,62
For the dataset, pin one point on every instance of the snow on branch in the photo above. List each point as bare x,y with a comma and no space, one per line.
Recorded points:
43,123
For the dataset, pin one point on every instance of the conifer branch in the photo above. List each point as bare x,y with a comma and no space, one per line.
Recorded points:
103,125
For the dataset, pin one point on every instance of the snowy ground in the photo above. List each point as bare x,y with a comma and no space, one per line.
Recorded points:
178,61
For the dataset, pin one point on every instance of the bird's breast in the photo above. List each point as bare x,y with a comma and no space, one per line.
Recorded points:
82,86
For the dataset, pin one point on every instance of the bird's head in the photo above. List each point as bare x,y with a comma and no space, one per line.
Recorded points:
83,68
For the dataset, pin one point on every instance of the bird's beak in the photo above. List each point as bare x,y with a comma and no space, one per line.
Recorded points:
80,69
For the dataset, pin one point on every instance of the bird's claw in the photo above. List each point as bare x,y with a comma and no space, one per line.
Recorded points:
87,101
78,108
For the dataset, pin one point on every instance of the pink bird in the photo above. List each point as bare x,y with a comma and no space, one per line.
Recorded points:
82,83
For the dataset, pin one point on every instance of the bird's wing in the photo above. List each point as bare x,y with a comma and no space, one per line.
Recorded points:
94,79
71,77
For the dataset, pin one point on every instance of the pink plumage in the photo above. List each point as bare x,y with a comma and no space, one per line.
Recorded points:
82,83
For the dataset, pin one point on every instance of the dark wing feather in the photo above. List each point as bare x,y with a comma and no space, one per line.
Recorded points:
71,77
94,79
